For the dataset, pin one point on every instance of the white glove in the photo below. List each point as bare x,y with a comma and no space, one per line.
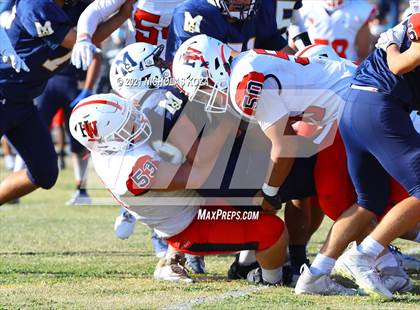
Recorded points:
9,56
391,36
82,54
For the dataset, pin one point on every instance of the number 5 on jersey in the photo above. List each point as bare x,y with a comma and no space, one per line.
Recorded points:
142,175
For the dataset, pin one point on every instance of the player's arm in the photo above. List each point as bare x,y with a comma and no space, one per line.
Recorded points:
96,13
401,63
90,81
298,36
363,42
89,36
103,31
185,133
190,174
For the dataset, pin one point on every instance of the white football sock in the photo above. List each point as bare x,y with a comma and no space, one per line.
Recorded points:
322,265
387,260
247,257
272,276
80,165
9,161
370,247
19,164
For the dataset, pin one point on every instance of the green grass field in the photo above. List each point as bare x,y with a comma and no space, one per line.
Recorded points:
53,256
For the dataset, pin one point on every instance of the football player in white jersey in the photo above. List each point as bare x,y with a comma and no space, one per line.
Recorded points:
343,24
269,88
148,22
116,133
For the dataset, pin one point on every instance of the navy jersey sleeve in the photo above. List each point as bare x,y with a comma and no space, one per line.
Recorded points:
269,37
187,22
45,20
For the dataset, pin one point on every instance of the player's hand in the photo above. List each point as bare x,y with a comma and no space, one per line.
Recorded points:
82,95
82,54
391,36
9,56
265,205
413,30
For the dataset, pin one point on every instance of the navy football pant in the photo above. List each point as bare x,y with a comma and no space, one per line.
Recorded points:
59,93
23,127
380,139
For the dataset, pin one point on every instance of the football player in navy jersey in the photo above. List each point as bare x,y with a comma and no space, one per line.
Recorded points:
245,24
42,35
380,139
53,98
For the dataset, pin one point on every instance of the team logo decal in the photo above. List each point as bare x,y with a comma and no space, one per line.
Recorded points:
89,129
44,30
192,24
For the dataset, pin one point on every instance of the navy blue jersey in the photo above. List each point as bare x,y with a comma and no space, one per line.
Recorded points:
194,17
38,29
374,71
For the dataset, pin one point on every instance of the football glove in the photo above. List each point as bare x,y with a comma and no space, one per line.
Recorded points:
391,36
9,56
82,95
82,54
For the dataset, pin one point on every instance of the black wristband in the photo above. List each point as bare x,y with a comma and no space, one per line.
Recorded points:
274,201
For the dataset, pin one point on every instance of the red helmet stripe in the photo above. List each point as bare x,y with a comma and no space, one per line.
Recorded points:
106,102
224,58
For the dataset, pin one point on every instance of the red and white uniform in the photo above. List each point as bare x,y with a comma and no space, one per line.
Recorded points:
128,175
291,85
149,23
339,28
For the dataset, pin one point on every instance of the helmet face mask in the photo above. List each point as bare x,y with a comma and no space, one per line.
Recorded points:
238,9
108,124
415,6
137,68
215,98
201,69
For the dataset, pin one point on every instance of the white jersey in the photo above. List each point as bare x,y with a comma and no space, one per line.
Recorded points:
130,174
149,22
338,28
292,86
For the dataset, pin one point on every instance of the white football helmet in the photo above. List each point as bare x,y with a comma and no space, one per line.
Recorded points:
238,9
107,123
137,68
319,50
201,69
333,4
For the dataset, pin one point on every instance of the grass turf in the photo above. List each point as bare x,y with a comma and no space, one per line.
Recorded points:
56,256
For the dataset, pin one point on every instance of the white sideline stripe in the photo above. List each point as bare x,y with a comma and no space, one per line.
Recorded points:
235,293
